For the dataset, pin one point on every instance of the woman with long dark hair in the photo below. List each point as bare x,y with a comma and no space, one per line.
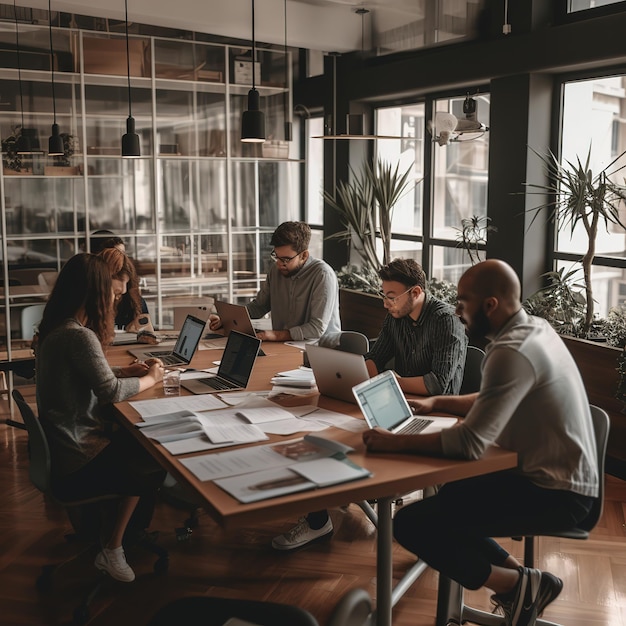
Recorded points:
75,384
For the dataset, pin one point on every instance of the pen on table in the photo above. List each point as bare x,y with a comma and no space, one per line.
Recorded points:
309,412
276,484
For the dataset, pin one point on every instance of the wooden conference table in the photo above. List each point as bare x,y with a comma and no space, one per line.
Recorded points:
392,474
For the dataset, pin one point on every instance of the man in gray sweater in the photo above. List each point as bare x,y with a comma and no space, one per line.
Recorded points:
300,291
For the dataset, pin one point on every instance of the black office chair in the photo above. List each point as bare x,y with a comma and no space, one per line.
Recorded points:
451,609
39,471
352,341
24,368
353,609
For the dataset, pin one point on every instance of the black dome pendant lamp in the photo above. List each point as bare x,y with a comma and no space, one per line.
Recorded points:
253,120
55,142
131,147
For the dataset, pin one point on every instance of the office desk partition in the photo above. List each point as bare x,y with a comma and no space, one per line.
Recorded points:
392,474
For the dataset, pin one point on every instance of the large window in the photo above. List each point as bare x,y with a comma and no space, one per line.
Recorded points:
594,123
427,222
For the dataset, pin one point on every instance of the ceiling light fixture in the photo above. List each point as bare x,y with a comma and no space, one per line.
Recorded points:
253,120
355,122
55,142
288,123
28,141
131,147
449,128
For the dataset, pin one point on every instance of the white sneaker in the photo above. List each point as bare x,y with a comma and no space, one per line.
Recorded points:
113,562
301,535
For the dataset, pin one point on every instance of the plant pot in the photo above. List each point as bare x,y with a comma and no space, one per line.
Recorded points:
363,312
597,363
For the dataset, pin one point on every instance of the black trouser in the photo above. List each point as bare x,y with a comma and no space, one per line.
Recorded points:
452,530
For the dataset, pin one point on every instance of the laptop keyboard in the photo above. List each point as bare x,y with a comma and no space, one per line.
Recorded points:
415,426
215,383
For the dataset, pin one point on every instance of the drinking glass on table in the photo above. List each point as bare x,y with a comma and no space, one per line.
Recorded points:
171,382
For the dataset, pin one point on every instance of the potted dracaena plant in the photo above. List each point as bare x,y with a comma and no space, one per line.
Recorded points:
365,204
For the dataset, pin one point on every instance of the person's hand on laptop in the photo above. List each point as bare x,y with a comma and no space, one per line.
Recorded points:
423,406
215,323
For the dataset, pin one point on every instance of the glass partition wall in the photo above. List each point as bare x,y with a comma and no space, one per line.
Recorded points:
196,209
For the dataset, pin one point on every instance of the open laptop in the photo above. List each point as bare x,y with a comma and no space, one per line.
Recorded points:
234,317
336,372
184,349
234,369
383,405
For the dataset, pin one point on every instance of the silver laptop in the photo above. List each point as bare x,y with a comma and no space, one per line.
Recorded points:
181,313
336,372
184,349
384,406
234,317
234,369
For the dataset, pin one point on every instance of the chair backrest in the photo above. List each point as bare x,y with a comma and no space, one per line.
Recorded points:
31,316
353,341
472,374
39,453
354,609
601,425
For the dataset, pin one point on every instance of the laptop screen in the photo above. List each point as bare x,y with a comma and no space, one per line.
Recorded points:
382,402
189,337
238,358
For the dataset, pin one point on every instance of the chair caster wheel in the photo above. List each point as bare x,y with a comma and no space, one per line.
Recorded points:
81,615
162,565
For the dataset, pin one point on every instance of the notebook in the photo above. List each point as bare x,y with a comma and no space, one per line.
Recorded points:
336,372
383,405
234,369
183,350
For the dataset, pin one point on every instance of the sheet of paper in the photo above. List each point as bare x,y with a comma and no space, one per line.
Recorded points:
260,415
194,444
152,420
222,464
305,373
162,406
224,426
263,485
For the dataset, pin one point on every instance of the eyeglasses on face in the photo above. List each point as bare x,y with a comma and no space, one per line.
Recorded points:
393,299
283,259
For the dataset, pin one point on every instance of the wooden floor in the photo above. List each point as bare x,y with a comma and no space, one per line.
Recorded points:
241,564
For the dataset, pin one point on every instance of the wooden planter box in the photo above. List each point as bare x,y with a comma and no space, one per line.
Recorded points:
362,312
597,363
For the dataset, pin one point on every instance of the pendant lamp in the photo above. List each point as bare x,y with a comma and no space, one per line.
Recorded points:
55,142
28,141
253,120
131,147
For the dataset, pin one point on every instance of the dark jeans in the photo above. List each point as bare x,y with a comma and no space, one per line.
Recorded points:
452,530
123,468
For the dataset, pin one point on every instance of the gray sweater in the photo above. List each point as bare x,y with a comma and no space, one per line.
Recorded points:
74,382
306,304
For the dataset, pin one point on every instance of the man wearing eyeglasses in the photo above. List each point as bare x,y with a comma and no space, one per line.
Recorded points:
426,342
300,291
422,335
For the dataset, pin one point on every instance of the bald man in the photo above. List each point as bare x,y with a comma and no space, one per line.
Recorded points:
531,401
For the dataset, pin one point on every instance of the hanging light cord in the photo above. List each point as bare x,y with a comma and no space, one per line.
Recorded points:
127,56
54,100
19,67
253,49
285,94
